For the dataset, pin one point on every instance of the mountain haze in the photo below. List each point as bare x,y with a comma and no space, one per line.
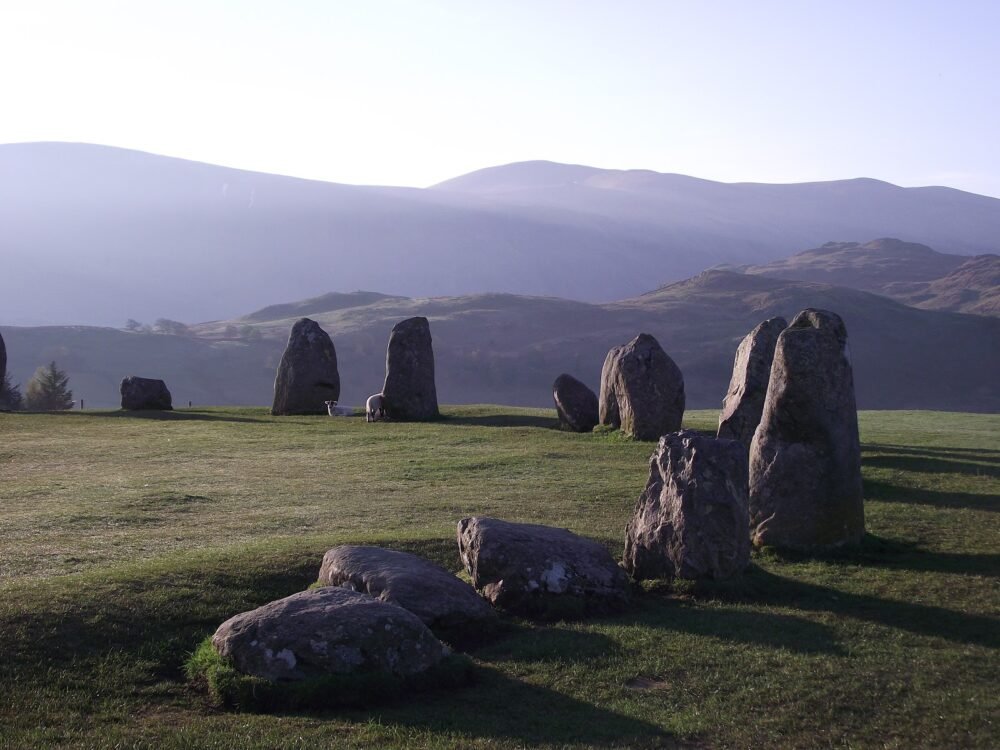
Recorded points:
96,235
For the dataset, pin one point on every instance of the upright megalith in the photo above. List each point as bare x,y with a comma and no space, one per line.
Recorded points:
691,521
307,375
576,404
3,359
805,458
409,392
642,390
744,402
145,394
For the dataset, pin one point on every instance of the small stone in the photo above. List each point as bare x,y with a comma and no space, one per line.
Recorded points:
576,404
145,393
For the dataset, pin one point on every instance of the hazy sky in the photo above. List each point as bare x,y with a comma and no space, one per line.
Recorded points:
410,93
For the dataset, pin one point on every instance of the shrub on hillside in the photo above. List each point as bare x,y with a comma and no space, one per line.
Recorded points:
47,390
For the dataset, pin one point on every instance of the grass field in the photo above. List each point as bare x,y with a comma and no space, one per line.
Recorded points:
126,540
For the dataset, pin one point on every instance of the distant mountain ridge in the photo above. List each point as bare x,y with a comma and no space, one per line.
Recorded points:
94,234
504,348
905,271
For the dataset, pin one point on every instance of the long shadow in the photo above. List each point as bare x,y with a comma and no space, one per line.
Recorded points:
168,416
503,708
772,630
760,586
896,554
503,420
891,493
909,450
932,464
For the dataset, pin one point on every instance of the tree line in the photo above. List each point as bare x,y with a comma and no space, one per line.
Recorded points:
48,390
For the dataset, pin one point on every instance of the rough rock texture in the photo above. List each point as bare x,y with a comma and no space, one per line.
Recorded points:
805,459
744,403
642,390
327,631
409,390
307,375
145,393
691,521
446,604
576,404
540,570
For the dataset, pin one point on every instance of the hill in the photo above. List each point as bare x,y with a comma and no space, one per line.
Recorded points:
97,235
504,348
906,271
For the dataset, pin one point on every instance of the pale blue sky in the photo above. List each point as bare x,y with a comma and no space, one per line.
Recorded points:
411,93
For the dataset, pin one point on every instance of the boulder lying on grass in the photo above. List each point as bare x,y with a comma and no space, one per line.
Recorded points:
576,404
540,571
327,631
307,375
446,604
642,390
145,393
744,402
805,459
691,521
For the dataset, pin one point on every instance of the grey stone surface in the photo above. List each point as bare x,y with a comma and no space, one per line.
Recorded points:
145,393
576,404
691,521
307,375
327,631
3,359
805,459
642,390
410,392
744,402
540,570
446,604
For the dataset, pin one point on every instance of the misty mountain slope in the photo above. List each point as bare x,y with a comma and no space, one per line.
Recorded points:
505,348
908,272
95,234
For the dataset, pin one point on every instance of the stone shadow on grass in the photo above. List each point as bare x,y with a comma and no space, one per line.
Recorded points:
169,416
896,554
504,708
875,489
986,454
933,464
760,586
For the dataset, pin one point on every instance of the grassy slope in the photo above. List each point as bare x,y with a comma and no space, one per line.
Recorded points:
126,540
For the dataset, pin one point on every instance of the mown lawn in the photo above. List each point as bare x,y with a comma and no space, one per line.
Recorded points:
126,540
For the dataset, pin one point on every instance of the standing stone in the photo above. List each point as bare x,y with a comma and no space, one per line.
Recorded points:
145,393
307,374
691,521
642,390
540,570
576,404
409,392
3,360
805,459
744,403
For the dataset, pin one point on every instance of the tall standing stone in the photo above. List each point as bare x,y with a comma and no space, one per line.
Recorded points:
642,390
805,459
691,521
409,392
744,402
576,404
3,360
307,374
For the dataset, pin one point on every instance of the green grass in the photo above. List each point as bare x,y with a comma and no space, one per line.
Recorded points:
127,540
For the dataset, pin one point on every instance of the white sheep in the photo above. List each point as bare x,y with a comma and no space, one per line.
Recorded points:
338,411
375,408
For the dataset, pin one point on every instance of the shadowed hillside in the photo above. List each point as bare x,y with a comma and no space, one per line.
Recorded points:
503,348
98,235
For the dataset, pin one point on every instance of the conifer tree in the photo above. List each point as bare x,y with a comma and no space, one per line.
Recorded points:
10,395
47,390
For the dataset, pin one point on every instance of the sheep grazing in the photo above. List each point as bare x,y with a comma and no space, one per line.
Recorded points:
338,411
375,408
